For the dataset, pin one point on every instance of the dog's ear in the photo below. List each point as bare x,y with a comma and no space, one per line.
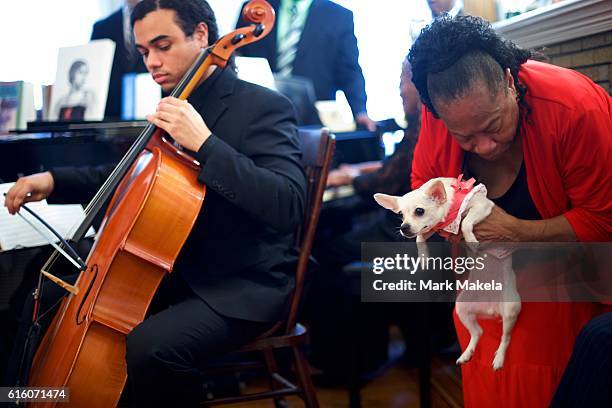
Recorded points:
387,201
437,192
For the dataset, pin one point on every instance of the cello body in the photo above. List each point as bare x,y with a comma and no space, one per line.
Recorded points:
145,227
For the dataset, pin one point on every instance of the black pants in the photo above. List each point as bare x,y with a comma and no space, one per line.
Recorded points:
587,380
165,353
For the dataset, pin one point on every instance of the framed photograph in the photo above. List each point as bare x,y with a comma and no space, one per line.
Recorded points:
81,82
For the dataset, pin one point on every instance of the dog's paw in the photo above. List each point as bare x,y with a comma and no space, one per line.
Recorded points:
422,249
465,357
498,361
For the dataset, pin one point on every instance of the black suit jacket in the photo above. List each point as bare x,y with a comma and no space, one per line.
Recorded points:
239,257
112,28
327,52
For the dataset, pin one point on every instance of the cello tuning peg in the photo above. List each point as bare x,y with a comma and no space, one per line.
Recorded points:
259,28
237,38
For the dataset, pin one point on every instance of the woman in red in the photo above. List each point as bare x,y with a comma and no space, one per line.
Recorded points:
540,138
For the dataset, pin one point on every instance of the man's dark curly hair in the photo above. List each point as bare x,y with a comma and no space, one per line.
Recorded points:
189,13
459,51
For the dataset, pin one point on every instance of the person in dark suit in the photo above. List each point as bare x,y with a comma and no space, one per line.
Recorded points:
315,39
126,60
233,278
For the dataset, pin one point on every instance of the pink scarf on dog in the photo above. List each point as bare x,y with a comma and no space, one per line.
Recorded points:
464,191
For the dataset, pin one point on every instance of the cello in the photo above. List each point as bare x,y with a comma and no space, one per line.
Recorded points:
156,202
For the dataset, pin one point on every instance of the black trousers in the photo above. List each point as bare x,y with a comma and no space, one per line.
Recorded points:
587,379
166,352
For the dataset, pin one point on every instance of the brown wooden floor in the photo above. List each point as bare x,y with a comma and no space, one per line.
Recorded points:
397,388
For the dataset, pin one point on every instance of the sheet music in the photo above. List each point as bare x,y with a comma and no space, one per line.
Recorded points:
16,233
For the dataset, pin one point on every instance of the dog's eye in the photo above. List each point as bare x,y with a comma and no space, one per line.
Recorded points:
419,212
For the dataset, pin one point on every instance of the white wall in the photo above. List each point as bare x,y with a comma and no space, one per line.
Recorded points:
384,34
33,30
227,13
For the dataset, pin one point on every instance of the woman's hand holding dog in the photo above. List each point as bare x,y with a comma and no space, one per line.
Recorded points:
499,226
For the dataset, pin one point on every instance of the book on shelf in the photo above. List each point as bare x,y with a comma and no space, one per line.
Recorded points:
15,233
16,105
81,83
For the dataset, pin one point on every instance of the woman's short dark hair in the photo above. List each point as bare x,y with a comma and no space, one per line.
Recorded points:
189,13
74,67
451,54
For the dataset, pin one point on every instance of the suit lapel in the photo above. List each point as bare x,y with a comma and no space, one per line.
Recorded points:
211,103
309,30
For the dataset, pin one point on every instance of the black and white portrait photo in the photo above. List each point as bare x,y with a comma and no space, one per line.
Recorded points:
79,99
81,86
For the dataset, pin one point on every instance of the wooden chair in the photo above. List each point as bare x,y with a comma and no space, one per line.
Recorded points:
317,151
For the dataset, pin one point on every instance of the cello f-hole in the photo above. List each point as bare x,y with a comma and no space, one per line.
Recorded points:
79,319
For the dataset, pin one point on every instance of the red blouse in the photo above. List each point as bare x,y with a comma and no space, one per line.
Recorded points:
567,143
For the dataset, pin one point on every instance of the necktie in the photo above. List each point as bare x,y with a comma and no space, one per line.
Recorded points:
288,46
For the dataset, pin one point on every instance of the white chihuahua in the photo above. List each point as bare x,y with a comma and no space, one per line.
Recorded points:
444,205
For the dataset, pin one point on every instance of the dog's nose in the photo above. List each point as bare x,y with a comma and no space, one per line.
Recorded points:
405,229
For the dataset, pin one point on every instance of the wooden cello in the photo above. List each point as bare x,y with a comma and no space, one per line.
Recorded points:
156,202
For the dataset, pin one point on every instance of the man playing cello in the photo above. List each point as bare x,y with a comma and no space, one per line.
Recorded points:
233,277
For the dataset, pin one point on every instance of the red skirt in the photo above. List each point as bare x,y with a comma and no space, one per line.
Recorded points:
540,347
